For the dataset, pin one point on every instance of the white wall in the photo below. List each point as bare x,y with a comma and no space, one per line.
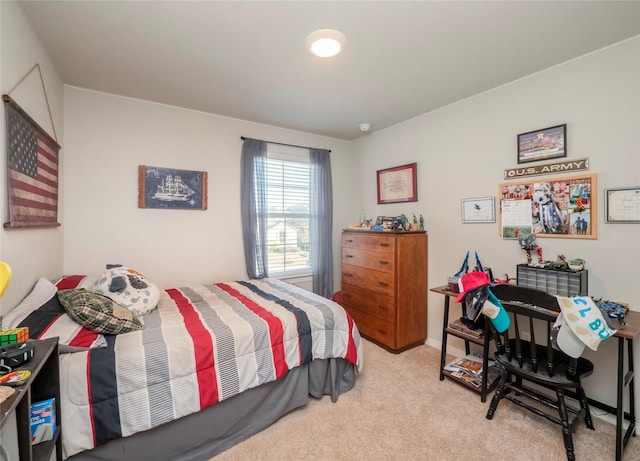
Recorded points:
462,151
107,137
32,253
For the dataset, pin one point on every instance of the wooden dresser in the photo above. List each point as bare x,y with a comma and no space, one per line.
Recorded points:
384,286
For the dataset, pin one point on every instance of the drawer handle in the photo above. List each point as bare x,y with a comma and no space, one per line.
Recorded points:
383,284
346,296
384,244
384,263
347,274
384,332
348,256
349,241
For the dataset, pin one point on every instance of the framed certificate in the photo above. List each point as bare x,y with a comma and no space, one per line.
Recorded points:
623,205
476,210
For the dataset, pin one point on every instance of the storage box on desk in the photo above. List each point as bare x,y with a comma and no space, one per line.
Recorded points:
562,282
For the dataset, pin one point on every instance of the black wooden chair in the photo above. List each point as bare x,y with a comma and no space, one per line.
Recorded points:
526,361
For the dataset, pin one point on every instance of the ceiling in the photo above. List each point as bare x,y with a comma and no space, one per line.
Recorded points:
247,59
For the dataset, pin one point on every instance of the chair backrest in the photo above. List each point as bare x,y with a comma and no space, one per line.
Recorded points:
528,307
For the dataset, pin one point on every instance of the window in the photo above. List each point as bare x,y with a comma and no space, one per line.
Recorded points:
288,215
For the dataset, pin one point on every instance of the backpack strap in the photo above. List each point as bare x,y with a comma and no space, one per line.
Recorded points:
465,266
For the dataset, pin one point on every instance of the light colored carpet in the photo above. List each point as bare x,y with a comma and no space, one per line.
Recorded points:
400,410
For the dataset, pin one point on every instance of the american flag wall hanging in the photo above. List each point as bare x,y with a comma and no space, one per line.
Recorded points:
32,171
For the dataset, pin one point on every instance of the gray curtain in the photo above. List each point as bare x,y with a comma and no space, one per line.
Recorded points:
321,222
253,204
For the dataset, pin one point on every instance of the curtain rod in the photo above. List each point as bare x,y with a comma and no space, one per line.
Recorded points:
284,144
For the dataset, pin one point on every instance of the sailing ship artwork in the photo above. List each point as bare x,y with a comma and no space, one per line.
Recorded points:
171,188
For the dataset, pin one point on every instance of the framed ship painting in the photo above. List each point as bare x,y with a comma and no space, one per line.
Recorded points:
168,188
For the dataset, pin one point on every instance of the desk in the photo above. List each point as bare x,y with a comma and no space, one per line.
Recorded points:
625,334
44,383
483,341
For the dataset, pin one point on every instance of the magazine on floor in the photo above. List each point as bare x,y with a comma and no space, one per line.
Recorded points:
468,368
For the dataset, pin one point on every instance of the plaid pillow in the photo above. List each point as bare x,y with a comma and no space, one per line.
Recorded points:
98,313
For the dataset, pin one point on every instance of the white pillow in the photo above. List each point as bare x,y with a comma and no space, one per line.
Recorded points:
42,292
128,288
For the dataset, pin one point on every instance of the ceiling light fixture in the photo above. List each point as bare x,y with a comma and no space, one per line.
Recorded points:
325,43
365,126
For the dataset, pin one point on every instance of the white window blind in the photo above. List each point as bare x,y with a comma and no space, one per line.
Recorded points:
288,215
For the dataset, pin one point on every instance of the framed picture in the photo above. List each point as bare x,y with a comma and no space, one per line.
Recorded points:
623,205
562,207
386,221
478,210
32,171
543,144
398,184
169,188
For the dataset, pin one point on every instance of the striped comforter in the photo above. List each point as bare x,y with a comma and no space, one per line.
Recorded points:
200,346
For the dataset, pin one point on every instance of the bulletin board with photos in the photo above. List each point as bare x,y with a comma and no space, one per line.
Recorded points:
561,207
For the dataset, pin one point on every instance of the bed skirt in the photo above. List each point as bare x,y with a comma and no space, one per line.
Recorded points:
202,435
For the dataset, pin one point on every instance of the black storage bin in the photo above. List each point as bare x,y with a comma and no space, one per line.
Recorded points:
562,282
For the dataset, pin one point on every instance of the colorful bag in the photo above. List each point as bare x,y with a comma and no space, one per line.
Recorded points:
453,281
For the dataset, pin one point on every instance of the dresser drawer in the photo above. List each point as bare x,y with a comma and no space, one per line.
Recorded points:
377,260
370,242
374,328
375,304
380,282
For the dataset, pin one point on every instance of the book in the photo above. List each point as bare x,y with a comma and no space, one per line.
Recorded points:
43,420
458,325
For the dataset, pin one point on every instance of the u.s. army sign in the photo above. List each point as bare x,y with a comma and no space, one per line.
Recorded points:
550,168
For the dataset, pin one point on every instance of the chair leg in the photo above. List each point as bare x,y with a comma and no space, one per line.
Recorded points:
582,398
498,394
566,430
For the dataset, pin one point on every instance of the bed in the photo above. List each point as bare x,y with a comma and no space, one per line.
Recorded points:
212,365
